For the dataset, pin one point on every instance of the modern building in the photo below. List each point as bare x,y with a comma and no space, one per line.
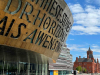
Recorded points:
63,64
91,65
32,32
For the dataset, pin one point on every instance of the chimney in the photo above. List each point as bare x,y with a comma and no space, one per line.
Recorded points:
93,59
76,59
87,56
79,56
97,60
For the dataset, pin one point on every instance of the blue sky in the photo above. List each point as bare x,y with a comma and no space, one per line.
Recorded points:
86,28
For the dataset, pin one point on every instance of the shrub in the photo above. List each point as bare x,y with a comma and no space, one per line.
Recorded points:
79,68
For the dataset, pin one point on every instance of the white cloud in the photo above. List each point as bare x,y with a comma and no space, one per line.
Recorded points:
96,50
87,30
86,20
75,47
88,1
95,46
76,8
97,56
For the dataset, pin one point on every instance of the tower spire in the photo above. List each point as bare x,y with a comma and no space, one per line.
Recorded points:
89,48
89,53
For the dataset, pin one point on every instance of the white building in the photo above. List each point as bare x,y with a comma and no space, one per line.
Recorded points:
64,63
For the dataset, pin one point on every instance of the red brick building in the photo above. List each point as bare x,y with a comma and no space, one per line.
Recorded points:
89,63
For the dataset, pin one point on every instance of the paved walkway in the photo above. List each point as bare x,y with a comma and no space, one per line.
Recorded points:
84,74
89,74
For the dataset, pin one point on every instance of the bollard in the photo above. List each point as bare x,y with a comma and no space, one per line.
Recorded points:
74,72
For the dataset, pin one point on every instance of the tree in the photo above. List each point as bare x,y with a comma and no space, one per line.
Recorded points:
79,68
84,70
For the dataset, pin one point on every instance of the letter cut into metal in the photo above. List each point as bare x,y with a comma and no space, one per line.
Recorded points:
19,31
26,13
32,34
14,12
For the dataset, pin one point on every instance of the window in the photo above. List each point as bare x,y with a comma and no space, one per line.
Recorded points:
84,63
60,72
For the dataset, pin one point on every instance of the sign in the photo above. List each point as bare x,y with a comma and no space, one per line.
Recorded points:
38,25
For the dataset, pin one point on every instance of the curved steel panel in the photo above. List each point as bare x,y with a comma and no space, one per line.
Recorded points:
41,26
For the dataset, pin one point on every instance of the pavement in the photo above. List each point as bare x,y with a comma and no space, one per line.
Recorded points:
85,74
89,74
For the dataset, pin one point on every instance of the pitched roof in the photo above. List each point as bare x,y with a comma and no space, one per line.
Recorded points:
84,60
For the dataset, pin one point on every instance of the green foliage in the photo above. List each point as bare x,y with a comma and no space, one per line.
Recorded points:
79,68
84,70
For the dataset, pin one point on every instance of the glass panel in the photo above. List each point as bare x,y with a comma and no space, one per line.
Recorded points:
10,68
32,69
21,68
22,62
1,67
59,72
64,72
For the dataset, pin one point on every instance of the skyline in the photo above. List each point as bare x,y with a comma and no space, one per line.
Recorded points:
85,31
